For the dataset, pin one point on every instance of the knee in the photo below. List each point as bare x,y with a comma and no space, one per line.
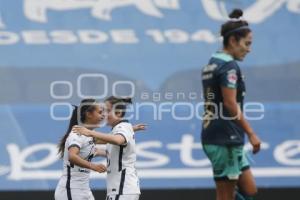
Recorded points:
250,192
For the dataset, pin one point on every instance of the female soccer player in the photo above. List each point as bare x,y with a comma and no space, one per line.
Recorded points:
224,124
122,178
77,152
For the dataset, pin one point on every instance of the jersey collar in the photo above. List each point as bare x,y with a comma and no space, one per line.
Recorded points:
223,56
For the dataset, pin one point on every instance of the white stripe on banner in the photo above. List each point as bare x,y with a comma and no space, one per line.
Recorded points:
168,173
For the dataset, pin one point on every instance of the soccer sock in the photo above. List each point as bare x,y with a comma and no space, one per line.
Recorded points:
240,196
248,198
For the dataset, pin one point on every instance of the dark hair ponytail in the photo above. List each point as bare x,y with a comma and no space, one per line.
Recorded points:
119,104
236,27
85,106
73,122
127,100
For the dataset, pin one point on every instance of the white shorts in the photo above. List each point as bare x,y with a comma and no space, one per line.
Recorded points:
61,193
123,197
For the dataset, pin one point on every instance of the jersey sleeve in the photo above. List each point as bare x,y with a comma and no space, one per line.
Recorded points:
125,130
228,75
75,140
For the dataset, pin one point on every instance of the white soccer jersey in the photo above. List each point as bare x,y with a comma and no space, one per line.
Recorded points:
74,176
73,194
122,176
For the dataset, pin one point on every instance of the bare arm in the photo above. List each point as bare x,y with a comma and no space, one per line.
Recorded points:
139,127
77,160
99,141
229,99
106,138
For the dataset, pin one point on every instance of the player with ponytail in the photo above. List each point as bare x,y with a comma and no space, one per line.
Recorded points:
224,125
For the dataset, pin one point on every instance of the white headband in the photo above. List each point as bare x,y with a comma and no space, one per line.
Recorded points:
236,19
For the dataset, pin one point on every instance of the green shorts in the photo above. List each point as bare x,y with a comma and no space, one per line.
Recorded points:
228,162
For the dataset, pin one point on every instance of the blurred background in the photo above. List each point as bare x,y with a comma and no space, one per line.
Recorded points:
53,53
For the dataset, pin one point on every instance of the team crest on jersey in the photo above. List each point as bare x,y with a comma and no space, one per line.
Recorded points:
232,76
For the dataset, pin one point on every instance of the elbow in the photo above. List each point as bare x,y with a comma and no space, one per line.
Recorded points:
71,158
229,105
118,142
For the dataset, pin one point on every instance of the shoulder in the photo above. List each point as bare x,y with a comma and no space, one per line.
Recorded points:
124,126
224,61
227,66
228,69
73,135
76,136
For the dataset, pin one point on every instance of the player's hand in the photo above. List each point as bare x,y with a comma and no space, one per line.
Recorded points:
255,142
82,130
98,167
139,127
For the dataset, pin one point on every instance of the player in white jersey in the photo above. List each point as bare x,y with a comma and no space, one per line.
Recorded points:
122,179
121,173
77,152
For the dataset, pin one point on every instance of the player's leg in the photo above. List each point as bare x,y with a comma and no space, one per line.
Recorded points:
246,186
225,169
225,189
246,183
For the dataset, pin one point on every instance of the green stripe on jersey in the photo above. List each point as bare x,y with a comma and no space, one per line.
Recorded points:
223,56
